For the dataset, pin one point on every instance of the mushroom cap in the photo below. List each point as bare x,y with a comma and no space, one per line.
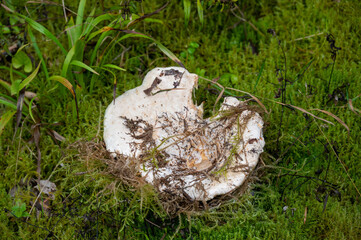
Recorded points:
163,90
185,154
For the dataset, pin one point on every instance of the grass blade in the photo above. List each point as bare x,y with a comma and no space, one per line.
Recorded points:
259,75
253,97
104,33
304,111
115,78
7,103
14,71
79,20
40,28
200,11
335,117
114,66
67,61
83,65
27,80
30,110
55,135
19,109
38,52
68,85
352,108
8,98
187,11
5,118
64,82
5,84
166,51
95,22
147,15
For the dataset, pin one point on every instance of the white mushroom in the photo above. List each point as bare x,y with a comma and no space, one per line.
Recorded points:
182,153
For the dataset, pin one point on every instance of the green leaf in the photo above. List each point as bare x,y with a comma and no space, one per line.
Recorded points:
65,83
38,52
5,30
183,54
105,32
194,45
191,50
200,11
114,66
5,85
83,65
79,20
67,61
12,70
95,22
27,80
7,102
165,50
30,110
228,78
153,20
70,32
19,210
38,27
21,59
5,118
15,87
187,10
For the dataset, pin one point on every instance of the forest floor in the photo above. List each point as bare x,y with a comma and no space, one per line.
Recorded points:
301,59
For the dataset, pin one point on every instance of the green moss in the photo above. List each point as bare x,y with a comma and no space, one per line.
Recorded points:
92,204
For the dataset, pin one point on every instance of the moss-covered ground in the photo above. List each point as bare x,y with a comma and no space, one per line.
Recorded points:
301,59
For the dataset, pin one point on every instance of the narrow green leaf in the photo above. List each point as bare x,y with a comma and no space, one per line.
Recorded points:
105,32
31,110
153,20
114,66
88,22
27,80
65,83
7,103
38,27
95,22
8,98
165,50
38,52
259,75
187,10
94,34
11,70
200,11
70,32
136,18
83,65
67,61
15,87
6,85
19,108
79,20
5,118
